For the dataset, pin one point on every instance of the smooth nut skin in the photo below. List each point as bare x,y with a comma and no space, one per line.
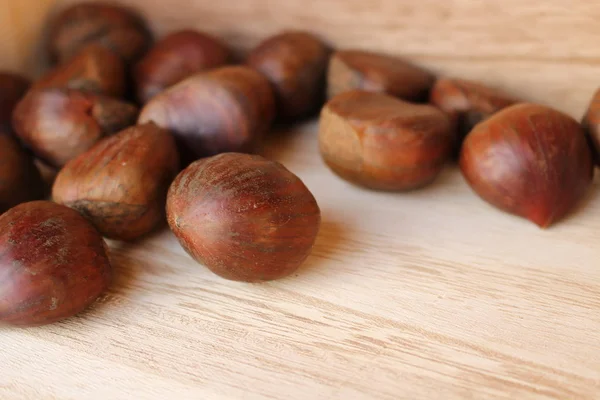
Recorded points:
383,143
529,160
296,64
177,56
94,69
591,125
121,184
20,180
111,26
12,88
60,124
374,72
53,264
228,109
467,103
244,217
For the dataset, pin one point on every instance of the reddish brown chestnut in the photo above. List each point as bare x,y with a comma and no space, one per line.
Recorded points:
114,27
176,57
60,124
121,183
529,160
467,103
244,217
591,125
20,180
12,88
225,110
375,72
94,69
383,143
53,264
296,64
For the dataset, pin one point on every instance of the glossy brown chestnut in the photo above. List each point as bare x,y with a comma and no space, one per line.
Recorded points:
114,27
529,160
177,56
375,72
12,88
296,64
383,143
591,125
121,183
53,264
467,103
20,180
244,217
60,124
93,69
228,109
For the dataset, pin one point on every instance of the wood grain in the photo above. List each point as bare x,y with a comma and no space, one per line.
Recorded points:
431,294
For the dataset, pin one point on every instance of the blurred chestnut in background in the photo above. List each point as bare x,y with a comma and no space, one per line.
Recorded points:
12,88
93,69
60,124
228,109
121,184
591,125
244,217
529,160
383,143
375,72
175,57
114,27
20,180
53,264
296,64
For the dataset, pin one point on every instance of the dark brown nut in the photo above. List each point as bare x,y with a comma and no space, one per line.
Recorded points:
591,125
121,184
244,217
175,58
114,27
467,103
296,65
60,124
20,180
53,264
12,88
383,143
374,72
228,109
94,69
529,160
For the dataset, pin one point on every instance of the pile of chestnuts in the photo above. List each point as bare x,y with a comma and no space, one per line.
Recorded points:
134,135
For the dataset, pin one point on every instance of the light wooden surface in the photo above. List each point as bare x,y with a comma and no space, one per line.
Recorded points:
427,295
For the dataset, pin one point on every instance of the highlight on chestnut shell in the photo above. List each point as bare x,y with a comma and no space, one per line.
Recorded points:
121,183
529,160
383,143
53,264
244,217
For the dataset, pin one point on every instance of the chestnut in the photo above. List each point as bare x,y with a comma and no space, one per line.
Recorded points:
296,64
60,124
20,180
228,109
467,103
94,69
177,56
121,183
115,27
244,217
53,264
591,125
12,88
376,72
529,160
384,143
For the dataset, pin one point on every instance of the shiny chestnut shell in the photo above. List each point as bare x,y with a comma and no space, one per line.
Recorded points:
244,217
529,160
591,125
53,264
12,89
